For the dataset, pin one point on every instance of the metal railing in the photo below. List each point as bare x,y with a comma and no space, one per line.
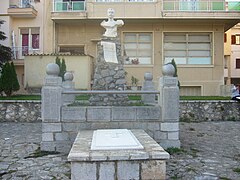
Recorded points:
110,92
19,52
21,4
178,5
69,6
125,1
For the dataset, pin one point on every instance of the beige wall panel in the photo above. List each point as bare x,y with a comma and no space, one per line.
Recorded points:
227,45
124,9
48,26
187,27
4,7
80,66
137,72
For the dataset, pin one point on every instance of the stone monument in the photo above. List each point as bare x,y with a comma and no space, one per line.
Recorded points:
109,72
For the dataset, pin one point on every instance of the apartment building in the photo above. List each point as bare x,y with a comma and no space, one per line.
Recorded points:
23,26
232,55
156,31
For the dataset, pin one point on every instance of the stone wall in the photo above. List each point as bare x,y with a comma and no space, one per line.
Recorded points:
194,111
20,111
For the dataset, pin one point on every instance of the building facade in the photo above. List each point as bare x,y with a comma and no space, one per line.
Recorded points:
156,31
232,55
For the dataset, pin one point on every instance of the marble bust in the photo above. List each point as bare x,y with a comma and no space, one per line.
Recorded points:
111,25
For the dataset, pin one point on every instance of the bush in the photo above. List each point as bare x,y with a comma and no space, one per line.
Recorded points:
8,80
62,67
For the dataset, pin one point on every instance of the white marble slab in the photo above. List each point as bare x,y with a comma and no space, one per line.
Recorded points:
114,139
109,52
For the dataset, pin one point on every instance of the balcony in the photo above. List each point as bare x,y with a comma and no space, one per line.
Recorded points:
19,52
22,9
201,5
71,6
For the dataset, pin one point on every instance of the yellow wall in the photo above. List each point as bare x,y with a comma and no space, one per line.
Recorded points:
209,77
80,66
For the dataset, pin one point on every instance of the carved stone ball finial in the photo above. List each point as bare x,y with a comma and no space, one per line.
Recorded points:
168,70
68,76
52,69
148,76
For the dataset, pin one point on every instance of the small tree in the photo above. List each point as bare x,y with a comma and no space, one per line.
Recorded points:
62,66
175,74
8,80
5,52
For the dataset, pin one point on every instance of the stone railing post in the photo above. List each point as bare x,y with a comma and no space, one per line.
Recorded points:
68,85
169,102
148,85
51,107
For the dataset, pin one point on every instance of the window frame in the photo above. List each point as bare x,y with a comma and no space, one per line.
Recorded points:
138,42
237,63
187,49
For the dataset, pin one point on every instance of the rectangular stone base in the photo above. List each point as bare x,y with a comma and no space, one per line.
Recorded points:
147,163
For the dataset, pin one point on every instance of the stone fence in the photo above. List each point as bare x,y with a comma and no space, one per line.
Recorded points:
190,111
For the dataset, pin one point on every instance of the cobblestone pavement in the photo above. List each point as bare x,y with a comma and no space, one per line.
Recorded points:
210,150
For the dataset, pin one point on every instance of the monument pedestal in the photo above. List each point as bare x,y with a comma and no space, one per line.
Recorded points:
109,74
146,163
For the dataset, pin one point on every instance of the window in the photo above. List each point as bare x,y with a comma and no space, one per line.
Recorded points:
29,41
138,48
188,48
238,63
225,37
71,49
236,39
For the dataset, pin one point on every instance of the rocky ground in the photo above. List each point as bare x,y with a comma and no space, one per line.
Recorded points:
210,150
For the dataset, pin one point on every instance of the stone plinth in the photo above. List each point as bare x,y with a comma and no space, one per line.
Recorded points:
147,163
109,75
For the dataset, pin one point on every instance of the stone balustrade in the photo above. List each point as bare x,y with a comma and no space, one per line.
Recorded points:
192,111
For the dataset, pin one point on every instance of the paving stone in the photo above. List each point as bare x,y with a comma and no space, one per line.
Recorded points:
211,150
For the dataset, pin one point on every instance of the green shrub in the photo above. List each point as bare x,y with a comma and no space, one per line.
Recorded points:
8,80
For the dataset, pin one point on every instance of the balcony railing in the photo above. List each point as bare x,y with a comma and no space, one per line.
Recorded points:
210,5
19,52
69,6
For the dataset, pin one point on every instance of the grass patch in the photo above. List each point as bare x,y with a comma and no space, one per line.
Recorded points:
131,97
224,178
21,97
39,153
237,170
83,97
174,150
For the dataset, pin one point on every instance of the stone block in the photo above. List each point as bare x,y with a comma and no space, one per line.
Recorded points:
98,114
70,127
107,171
74,114
123,113
159,135
47,136
154,169
51,127
85,170
51,103
148,113
170,143
127,170
63,136
170,104
173,135
63,146
153,126
170,126
48,146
